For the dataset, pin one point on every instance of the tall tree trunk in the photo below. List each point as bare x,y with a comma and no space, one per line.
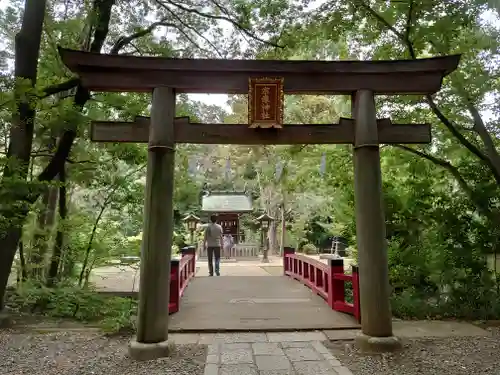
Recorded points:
52,274
67,262
46,216
283,227
85,263
273,236
22,262
14,187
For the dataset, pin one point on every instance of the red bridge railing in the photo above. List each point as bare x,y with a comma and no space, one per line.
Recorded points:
328,281
181,272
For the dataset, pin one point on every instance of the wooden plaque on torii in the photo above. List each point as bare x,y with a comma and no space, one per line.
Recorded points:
265,102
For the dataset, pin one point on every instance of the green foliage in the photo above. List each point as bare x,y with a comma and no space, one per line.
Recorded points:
309,249
112,314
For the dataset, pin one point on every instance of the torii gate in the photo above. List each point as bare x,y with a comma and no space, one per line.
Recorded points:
266,82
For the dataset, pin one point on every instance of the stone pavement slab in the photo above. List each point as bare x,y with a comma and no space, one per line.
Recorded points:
238,370
250,303
267,348
302,354
258,341
417,329
236,356
226,338
434,328
272,362
314,368
289,337
296,344
234,345
270,341
278,358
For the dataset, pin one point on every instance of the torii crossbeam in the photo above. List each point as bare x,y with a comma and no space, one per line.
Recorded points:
241,134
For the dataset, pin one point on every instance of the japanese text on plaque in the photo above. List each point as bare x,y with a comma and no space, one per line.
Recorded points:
265,105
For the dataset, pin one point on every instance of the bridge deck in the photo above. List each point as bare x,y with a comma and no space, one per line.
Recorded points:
254,303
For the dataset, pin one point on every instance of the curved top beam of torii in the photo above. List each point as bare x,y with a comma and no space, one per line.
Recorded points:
101,72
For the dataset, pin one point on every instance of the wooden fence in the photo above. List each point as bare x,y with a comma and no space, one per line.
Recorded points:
239,251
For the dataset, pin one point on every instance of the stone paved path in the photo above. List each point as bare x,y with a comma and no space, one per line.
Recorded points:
300,353
271,356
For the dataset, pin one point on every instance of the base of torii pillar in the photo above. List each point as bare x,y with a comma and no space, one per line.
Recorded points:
140,351
372,344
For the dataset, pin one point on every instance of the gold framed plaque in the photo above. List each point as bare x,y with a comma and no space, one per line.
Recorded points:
265,102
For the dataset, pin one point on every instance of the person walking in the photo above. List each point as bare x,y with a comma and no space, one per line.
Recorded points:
213,243
228,245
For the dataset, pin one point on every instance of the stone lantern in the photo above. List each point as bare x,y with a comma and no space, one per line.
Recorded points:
265,222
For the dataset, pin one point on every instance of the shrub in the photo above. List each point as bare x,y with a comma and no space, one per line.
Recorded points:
309,249
113,314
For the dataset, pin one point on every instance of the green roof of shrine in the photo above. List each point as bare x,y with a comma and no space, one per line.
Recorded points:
226,202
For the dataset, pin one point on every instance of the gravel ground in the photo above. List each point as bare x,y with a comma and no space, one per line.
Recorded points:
82,353
444,356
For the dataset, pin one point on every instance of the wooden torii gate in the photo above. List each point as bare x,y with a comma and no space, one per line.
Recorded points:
266,82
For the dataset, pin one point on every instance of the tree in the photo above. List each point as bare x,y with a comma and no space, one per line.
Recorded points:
15,172
188,30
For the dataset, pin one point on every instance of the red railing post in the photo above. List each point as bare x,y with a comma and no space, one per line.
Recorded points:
175,286
190,250
355,293
286,260
336,289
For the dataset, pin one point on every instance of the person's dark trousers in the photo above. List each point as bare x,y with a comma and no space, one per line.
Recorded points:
211,252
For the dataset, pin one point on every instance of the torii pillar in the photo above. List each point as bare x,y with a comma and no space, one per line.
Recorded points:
376,318
152,320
